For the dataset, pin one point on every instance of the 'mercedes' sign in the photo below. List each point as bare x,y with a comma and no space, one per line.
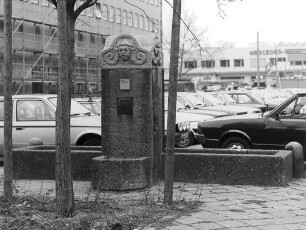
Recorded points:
266,52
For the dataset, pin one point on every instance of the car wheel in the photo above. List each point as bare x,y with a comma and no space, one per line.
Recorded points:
186,140
92,142
235,143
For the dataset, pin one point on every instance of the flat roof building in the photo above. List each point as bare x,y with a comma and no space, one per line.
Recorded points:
274,61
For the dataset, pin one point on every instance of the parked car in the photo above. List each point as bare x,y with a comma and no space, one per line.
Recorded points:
190,100
185,106
187,137
270,96
272,130
218,99
91,103
182,129
240,98
34,116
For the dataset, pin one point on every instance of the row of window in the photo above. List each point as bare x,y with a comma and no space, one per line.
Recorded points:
211,63
46,2
237,63
116,15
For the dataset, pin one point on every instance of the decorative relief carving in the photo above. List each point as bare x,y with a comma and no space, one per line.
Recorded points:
126,52
156,52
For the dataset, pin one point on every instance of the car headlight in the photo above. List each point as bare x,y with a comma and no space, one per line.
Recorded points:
194,124
182,126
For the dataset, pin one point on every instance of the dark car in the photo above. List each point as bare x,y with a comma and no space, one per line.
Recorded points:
272,130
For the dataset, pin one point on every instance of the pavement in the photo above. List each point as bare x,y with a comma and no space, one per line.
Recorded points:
236,207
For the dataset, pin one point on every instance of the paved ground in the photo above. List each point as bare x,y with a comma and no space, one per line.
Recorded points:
222,207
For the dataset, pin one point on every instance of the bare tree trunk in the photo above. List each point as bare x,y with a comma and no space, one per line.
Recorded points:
8,104
64,184
169,162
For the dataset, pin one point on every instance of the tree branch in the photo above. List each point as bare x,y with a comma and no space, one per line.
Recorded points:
86,4
54,2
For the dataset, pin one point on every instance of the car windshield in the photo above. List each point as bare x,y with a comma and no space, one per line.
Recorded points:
179,105
225,99
212,100
193,99
76,108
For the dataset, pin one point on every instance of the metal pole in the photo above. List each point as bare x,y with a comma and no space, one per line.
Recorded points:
258,78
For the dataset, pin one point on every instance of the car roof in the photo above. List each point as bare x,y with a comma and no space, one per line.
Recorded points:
24,96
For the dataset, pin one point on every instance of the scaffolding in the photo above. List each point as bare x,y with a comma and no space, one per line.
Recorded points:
35,58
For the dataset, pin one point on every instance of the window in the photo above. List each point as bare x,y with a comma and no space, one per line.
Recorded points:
124,17
190,64
224,63
146,23
37,30
1,111
130,19
298,63
118,15
238,62
34,110
281,59
141,22
136,21
273,61
1,25
90,11
111,14
98,10
208,64
92,39
45,2
104,12
20,28
80,36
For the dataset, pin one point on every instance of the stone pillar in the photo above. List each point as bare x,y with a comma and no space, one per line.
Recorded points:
127,117
298,166
158,109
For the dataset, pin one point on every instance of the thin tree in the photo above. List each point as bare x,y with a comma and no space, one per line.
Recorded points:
172,97
67,16
8,104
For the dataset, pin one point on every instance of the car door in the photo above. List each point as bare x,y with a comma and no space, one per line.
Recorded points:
33,118
286,125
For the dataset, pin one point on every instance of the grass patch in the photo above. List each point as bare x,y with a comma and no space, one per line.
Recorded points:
39,212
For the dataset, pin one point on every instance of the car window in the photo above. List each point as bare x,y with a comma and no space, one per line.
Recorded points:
1,111
92,106
300,108
34,110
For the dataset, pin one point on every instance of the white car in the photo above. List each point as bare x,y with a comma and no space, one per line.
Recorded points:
34,117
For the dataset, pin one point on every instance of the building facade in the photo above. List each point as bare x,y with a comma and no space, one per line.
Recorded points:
271,62
35,40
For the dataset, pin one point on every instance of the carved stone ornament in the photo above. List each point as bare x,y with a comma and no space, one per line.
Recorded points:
125,53
156,52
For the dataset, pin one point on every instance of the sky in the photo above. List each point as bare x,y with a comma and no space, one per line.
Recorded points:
274,20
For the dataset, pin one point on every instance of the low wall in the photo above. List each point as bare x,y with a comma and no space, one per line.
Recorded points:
232,167
38,162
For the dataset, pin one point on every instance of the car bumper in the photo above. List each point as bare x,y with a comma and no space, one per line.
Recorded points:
200,138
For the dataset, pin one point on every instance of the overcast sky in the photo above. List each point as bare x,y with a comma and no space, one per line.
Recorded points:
275,20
